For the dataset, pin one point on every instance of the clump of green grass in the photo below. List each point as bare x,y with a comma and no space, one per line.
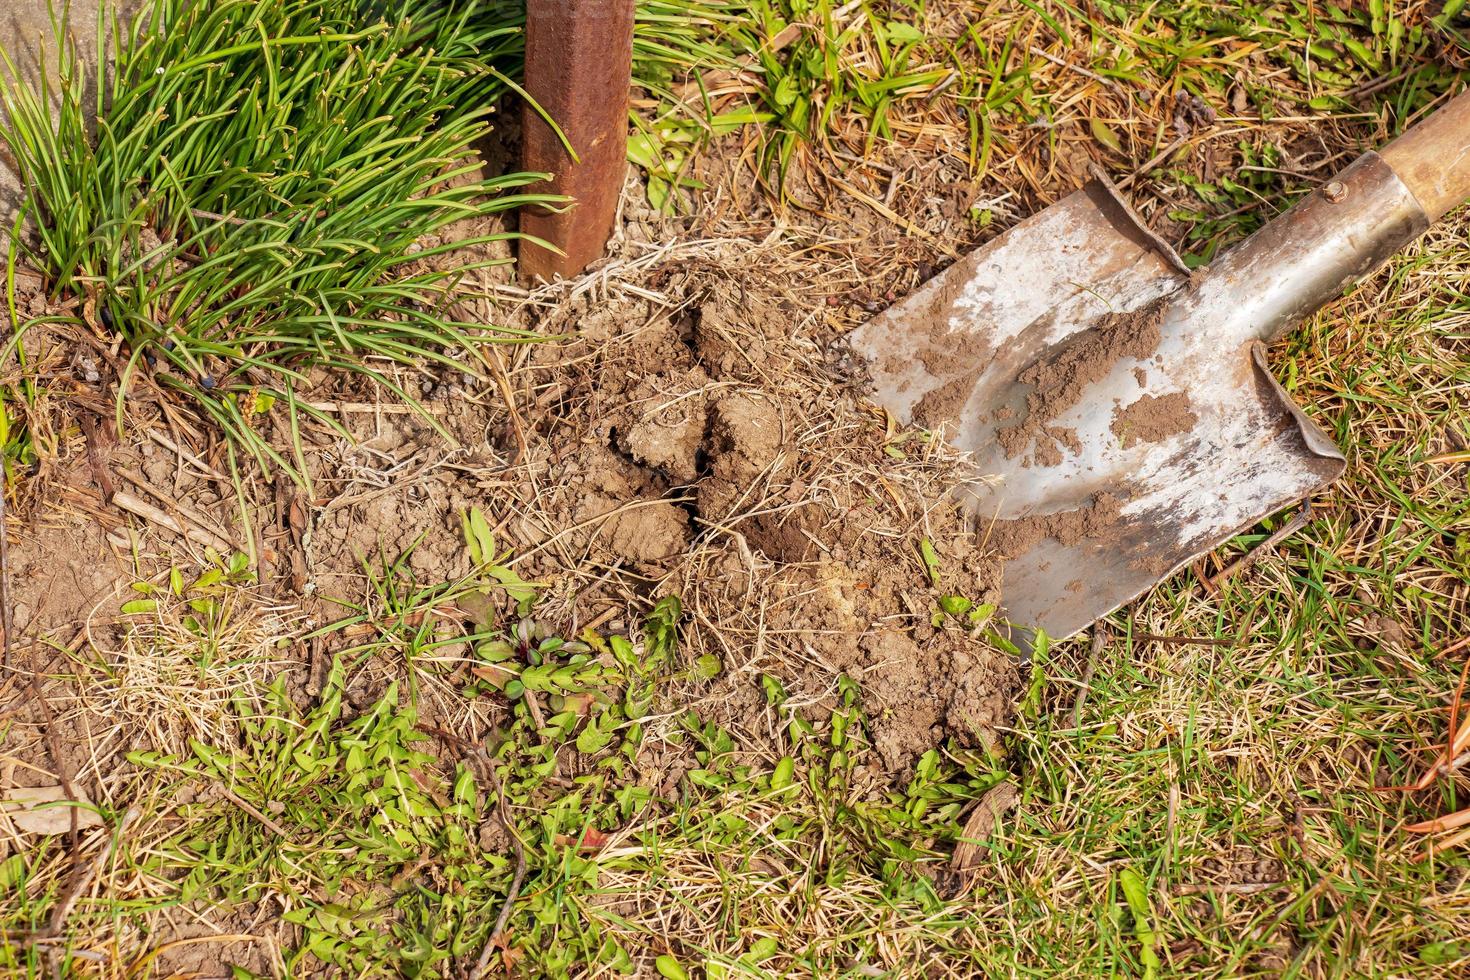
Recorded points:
840,59
804,70
244,196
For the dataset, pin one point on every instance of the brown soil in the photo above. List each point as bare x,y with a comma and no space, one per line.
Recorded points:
958,357
682,434
1058,383
945,403
739,475
693,443
708,454
1153,419
1098,518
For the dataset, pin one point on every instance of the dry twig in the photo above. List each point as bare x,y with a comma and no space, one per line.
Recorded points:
154,515
1099,640
492,942
1298,521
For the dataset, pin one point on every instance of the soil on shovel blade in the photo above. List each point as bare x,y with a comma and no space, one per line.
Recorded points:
1060,382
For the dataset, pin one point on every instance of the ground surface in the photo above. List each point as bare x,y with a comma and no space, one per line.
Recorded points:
788,795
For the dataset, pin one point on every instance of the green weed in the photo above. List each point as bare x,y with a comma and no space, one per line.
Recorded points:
816,64
369,827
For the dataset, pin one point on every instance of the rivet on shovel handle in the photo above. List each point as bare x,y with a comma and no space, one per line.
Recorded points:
579,72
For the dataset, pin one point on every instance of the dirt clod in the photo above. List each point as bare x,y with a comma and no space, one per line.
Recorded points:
747,436
1096,520
651,532
665,433
946,402
1058,383
1153,419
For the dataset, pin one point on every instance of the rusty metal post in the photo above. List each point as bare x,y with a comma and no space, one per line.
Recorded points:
579,57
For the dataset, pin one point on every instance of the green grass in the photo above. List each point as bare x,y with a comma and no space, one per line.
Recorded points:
1208,804
812,66
364,825
260,176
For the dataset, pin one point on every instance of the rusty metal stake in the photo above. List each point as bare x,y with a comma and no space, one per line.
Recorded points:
579,57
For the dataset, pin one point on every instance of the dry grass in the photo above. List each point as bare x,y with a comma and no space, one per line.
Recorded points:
155,682
187,669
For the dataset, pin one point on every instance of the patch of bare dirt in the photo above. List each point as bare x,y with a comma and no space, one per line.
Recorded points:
683,434
1153,418
60,570
802,537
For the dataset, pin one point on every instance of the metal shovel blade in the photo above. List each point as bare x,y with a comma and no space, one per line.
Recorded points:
1118,409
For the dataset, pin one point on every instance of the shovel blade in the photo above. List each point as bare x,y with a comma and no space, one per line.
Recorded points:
1117,410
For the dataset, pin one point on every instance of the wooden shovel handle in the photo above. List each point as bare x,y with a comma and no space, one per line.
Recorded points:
1433,158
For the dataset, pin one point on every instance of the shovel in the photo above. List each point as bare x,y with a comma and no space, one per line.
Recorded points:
1119,404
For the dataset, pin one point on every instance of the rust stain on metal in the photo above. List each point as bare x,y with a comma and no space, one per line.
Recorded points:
579,70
